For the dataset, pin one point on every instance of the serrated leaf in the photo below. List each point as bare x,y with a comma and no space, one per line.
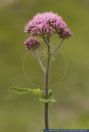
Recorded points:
35,91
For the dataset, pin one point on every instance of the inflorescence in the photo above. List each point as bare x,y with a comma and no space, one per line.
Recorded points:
45,25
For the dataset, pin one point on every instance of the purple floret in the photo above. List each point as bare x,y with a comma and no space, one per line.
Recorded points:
47,23
31,43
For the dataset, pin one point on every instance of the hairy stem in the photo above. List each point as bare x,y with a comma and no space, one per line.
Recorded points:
46,80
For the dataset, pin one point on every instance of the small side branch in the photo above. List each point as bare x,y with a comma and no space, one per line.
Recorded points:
58,47
40,61
46,40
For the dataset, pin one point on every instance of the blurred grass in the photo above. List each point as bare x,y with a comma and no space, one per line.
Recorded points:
25,113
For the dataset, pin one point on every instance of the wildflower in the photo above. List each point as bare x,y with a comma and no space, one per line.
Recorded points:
47,23
31,43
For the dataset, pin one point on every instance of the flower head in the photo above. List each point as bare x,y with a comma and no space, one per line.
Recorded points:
47,23
31,43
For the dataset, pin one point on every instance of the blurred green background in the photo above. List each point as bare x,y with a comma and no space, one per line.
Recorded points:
24,113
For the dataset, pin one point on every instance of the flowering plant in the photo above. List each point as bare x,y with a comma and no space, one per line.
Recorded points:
44,25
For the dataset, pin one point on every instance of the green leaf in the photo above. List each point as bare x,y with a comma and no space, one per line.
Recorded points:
34,91
50,93
49,100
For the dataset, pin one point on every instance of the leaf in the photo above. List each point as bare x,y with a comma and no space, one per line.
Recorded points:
35,91
49,100
50,92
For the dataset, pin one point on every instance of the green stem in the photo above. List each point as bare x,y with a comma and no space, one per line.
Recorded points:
46,80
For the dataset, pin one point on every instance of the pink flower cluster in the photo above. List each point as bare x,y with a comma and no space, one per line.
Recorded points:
31,43
47,23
